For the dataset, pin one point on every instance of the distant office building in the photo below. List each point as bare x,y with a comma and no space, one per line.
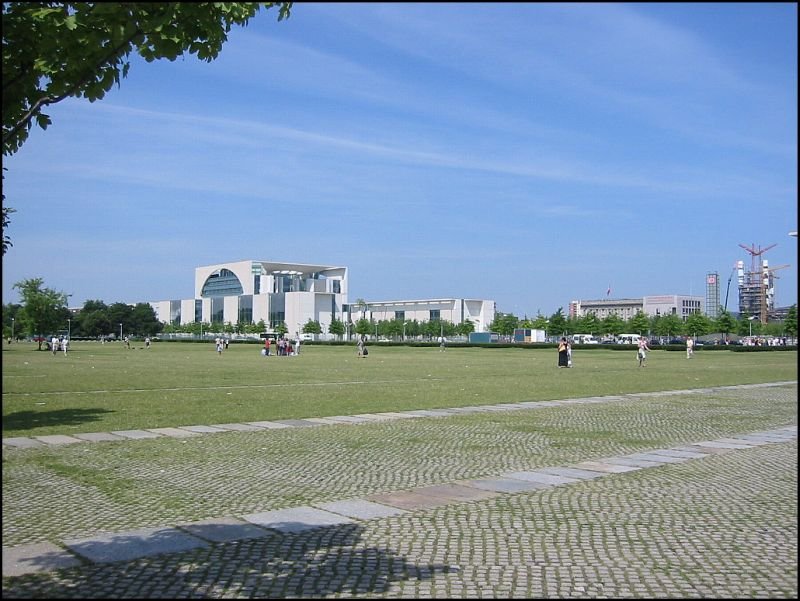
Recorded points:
453,310
712,294
626,308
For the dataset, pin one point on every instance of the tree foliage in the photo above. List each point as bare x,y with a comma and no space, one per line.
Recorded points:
44,310
58,50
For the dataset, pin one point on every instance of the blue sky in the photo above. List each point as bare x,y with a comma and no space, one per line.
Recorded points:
532,154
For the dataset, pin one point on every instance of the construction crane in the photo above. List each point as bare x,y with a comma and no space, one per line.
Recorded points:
728,289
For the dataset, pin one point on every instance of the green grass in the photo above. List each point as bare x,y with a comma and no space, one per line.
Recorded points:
98,388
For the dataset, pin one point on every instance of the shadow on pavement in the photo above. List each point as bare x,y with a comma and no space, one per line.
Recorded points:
311,564
30,420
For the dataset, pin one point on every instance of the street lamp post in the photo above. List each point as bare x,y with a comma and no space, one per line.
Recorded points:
12,329
69,329
120,332
750,319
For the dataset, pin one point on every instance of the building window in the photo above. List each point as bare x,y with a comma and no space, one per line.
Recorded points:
245,309
337,286
435,315
222,283
400,315
198,310
217,310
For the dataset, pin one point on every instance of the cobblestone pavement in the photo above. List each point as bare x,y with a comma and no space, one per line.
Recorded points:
680,494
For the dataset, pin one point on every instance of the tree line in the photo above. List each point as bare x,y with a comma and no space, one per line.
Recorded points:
696,324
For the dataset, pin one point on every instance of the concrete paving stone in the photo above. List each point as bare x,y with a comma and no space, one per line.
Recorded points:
297,423
631,462
763,438
716,444
537,476
454,492
269,425
224,530
135,434
58,439
422,413
410,500
36,557
676,453
693,448
606,467
22,442
504,485
173,432
237,427
378,417
742,442
361,509
203,429
571,472
655,457
347,419
98,437
296,519
396,414
324,421
441,412
126,546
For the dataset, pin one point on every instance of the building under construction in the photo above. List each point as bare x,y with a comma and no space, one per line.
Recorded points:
757,285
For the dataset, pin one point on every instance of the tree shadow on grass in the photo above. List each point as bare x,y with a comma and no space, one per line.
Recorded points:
30,420
317,563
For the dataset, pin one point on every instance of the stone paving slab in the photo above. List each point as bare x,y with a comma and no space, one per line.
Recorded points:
58,439
632,462
676,453
716,444
455,492
739,441
410,500
504,485
22,442
98,437
396,414
173,432
203,429
763,438
135,434
324,421
361,509
537,476
296,519
269,425
126,546
656,457
237,427
347,419
224,530
37,557
378,417
695,448
606,467
571,472
297,423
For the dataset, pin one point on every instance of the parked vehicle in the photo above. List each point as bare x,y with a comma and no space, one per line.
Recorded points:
628,339
584,339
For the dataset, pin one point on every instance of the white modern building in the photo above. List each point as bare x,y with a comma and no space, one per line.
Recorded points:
294,293
626,308
249,291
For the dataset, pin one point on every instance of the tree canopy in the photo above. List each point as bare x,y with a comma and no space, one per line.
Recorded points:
57,50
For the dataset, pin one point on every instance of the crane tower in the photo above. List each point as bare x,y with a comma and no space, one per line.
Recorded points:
757,286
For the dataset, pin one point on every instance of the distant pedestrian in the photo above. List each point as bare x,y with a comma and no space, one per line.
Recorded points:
65,345
266,347
563,355
297,345
442,344
569,354
147,342
642,352
54,345
689,347
361,344
218,342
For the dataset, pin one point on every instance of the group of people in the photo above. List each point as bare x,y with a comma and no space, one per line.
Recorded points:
57,344
565,352
361,344
283,346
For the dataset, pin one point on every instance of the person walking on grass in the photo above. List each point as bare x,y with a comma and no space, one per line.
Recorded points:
563,356
642,352
689,347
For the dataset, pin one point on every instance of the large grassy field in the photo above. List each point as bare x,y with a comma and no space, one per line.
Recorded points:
107,387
